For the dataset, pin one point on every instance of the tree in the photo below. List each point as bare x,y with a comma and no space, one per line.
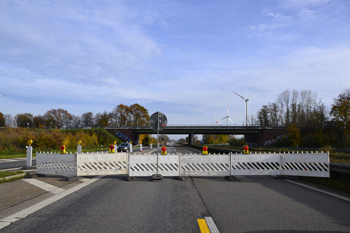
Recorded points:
2,120
139,115
102,119
24,120
59,117
87,119
75,122
341,108
294,135
9,120
123,113
39,121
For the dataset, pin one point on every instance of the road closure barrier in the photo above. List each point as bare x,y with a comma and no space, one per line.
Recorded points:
102,163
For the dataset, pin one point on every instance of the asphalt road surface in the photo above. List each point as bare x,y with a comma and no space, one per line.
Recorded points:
253,204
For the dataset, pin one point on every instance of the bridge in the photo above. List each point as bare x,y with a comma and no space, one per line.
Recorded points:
254,135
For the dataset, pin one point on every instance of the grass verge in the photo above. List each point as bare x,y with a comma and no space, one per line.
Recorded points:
4,176
338,181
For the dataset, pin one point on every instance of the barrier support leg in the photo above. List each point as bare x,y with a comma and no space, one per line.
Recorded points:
128,177
284,177
231,177
182,178
157,178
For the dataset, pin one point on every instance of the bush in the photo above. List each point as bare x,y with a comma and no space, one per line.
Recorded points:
14,140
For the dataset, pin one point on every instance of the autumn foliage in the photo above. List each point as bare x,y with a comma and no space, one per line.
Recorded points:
14,140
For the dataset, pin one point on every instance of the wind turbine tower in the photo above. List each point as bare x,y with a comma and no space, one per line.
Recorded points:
227,116
246,107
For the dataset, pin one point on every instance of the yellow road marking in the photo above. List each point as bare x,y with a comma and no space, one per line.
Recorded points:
203,226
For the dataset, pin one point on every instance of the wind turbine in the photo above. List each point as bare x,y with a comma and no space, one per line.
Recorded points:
227,116
216,121
246,107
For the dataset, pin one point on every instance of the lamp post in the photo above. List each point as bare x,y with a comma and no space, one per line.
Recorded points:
27,125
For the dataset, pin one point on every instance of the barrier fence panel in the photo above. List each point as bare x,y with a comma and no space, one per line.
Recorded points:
146,165
255,164
309,164
89,164
208,165
56,164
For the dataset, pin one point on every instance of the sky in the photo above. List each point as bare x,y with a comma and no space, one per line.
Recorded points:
182,58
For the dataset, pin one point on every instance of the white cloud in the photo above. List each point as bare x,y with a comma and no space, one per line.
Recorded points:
264,27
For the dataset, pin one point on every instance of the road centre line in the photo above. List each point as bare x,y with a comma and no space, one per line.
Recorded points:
24,213
203,226
45,186
319,190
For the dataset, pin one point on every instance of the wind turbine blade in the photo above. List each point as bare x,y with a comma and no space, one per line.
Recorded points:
239,95
231,121
252,96
224,118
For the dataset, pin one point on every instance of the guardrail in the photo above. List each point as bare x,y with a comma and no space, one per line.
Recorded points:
341,168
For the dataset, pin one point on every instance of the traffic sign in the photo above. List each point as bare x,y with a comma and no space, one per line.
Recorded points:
158,119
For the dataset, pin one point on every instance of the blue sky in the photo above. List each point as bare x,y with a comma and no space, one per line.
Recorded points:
182,58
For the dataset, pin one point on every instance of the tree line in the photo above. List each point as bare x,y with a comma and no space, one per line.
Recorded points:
309,122
122,115
301,108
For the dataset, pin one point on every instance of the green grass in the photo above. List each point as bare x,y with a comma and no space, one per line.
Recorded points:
13,156
338,181
4,174
9,173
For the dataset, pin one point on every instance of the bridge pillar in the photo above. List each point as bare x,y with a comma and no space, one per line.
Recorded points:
190,138
136,139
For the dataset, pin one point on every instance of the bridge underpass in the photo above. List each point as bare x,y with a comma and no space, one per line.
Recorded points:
254,135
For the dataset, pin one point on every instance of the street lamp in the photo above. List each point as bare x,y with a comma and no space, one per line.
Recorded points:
27,125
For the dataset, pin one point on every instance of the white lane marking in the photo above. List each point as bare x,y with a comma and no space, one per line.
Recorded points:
319,190
8,160
24,213
45,186
211,225
9,169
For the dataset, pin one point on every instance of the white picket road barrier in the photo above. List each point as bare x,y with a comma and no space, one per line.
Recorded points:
199,165
255,164
56,164
146,165
88,164
313,164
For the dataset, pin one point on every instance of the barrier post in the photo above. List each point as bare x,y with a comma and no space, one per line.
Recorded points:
130,147
79,149
29,153
141,147
150,146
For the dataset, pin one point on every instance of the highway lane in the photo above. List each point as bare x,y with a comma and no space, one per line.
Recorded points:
254,204
14,163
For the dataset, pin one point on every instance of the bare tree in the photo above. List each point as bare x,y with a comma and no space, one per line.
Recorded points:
9,120
87,119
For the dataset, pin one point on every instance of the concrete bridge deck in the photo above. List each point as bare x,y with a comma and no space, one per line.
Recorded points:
253,134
